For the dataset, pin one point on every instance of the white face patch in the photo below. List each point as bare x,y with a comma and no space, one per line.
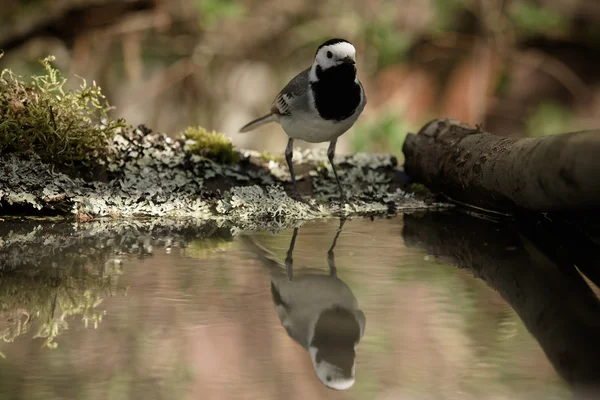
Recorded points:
338,52
330,375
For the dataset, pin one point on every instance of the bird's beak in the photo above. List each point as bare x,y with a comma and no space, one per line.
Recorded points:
348,60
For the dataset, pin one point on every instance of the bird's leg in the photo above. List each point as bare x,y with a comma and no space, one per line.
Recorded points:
289,152
289,261
330,155
330,255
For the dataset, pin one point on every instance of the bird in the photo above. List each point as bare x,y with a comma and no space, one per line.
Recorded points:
319,104
318,311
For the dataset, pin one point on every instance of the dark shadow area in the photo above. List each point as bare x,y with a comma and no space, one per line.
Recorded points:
538,270
26,210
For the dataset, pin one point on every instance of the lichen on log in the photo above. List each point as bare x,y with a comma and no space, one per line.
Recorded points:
550,173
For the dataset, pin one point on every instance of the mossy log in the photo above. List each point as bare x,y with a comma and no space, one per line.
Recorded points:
559,172
550,296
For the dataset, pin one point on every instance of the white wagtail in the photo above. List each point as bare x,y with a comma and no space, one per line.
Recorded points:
318,311
320,103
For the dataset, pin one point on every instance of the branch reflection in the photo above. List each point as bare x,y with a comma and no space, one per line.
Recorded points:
532,269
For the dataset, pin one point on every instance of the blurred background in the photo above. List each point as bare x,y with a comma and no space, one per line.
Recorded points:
519,67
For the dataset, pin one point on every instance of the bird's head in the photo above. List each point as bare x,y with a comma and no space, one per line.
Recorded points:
332,346
334,367
338,53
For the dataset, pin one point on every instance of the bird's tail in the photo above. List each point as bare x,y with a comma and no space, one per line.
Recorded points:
258,122
264,255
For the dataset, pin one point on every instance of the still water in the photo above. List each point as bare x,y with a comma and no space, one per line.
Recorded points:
379,308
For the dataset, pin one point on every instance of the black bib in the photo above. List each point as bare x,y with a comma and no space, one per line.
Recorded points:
336,93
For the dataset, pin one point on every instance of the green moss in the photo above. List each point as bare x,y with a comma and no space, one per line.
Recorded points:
265,156
213,145
419,188
62,127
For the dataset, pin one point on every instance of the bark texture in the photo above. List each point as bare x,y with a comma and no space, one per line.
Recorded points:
560,172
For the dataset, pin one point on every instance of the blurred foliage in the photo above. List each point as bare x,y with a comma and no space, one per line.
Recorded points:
502,84
187,64
213,145
445,12
390,43
20,8
385,134
531,19
211,12
550,118
62,127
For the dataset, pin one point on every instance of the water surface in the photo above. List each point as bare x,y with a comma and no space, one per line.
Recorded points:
194,313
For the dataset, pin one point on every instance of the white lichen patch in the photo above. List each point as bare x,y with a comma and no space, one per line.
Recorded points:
253,208
368,160
30,182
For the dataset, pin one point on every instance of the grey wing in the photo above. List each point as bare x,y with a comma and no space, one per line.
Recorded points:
295,88
362,321
364,95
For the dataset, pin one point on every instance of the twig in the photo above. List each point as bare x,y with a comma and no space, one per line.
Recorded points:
52,118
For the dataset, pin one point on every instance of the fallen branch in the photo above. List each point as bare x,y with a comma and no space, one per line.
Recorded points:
548,173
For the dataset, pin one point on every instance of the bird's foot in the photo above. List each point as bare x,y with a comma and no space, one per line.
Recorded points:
296,196
343,199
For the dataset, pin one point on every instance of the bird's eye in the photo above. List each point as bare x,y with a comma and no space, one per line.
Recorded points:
329,54
328,379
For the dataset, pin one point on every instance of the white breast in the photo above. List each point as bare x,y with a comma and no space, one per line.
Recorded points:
306,124
313,129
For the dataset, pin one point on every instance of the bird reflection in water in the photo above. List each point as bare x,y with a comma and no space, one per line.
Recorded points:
318,311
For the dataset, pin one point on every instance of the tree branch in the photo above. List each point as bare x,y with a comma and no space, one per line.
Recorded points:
548,173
